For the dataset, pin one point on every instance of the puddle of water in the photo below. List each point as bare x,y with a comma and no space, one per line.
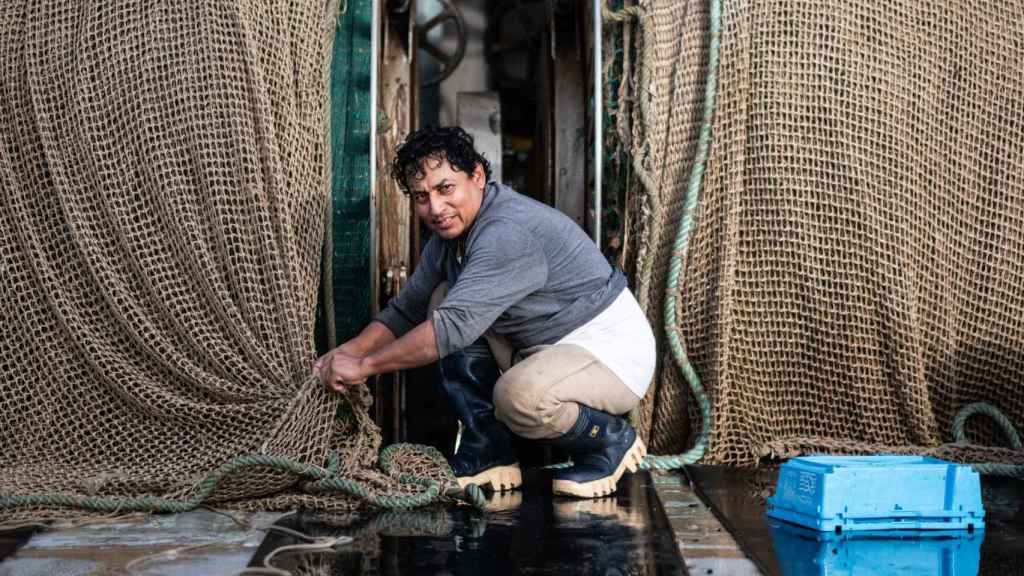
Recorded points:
737,498
198,542
527,531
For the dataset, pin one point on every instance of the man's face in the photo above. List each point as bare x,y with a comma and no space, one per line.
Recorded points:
447,200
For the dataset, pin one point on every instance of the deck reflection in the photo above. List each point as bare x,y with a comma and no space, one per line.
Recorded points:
527,531
737,498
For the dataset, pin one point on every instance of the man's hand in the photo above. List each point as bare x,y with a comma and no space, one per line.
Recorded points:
321,363
318,365
372,338
354,361
339,369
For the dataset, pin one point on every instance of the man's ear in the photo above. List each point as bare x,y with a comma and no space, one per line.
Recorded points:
479,176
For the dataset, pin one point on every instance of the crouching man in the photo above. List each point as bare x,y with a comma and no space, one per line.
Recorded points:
536,334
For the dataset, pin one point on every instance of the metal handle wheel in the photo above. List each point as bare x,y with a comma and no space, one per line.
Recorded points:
449,61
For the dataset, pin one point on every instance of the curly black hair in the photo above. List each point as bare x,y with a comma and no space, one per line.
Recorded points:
450,143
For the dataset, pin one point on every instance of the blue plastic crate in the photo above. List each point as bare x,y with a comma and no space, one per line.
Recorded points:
844,493
800,551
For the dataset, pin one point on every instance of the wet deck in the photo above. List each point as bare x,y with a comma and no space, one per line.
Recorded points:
706,521
196,543
737,498
522,532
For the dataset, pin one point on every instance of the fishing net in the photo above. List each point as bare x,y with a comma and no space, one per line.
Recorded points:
856,275
163,188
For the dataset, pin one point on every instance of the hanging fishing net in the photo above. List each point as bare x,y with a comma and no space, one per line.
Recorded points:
163,186
856,274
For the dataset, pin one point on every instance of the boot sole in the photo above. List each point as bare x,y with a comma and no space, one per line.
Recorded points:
603,486
499,478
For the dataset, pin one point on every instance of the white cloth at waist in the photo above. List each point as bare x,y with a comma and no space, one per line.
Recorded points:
622,339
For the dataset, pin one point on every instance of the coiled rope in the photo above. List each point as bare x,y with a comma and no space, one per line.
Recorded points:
1004,424
322,480
621,15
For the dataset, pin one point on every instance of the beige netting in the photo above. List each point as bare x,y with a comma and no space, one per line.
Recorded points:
857,271
163,185
670,76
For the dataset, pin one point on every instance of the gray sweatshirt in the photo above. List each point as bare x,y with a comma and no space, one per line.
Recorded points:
527,271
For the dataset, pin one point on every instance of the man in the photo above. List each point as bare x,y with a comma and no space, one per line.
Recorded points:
515,281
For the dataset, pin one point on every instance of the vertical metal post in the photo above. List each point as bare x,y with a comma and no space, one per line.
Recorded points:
374,233
598,118
375,272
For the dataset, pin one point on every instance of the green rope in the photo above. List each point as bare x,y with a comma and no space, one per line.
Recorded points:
1004,424
992,412
323,480
997,469
679,252
471,494
621,15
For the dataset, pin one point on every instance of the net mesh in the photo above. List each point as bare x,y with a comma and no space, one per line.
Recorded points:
163,186
857,271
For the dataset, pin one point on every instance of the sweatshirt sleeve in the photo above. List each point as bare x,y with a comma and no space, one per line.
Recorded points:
409,308
503,265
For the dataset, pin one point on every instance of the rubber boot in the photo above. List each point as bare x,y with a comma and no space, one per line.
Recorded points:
485,455
602,447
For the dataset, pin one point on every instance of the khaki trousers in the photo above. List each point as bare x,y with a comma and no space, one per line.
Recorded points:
540,389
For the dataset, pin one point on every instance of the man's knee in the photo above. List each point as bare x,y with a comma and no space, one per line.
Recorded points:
517,404
508,405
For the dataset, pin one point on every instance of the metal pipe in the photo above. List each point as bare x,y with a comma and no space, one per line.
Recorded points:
598,118
374,233
375,48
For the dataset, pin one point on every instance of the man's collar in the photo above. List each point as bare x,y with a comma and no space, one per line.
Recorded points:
489,193
490,190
